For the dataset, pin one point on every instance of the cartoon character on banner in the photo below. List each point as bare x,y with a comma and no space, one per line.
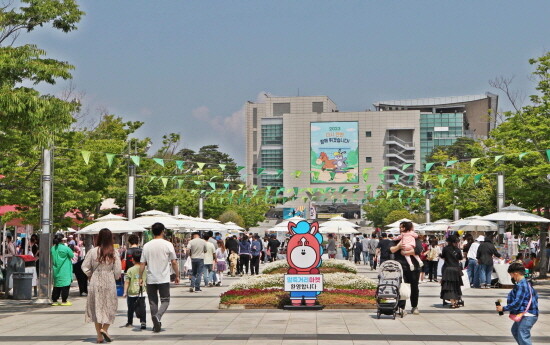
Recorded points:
304,256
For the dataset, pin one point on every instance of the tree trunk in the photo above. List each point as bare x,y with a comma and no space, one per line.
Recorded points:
543,235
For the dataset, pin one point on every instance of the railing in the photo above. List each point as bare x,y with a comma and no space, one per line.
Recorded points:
400,153
400,141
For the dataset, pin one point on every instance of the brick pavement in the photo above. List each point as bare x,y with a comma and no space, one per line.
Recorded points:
193,318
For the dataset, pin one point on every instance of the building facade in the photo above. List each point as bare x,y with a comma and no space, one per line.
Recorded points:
306,142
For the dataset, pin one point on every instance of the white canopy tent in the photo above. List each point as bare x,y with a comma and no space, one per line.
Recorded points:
397,223
233,227
116,224
473,223
167,220
338,225
514,213
440,225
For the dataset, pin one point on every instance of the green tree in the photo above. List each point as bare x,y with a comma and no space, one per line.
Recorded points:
528,130
231,216
379,209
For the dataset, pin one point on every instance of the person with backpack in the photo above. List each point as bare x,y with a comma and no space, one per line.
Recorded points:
522,303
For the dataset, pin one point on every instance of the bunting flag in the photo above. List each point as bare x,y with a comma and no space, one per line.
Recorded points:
110,158
212,185
473,161
239,168
297,173
296,190
382,177
396,178
411,178
389,193
179,164
548,154
201,165
425,178
259,171
386,168
279,172
164,181
241,186
226,186
151,179
332,175
198,183
450,163
453,178
497,158
405,166
477,178
460,181
429,166
159,161
180,183
441,179
86,156
135,159
521,155
350,176
222,166
316,175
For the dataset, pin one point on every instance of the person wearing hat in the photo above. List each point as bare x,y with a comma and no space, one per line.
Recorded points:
485,254
451,279
473,268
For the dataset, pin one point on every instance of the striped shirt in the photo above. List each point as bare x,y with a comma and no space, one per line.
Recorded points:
518,299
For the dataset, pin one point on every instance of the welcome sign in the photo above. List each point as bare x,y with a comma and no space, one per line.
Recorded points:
334,152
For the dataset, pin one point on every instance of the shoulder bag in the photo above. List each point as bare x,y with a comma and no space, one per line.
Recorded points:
404,291
518,317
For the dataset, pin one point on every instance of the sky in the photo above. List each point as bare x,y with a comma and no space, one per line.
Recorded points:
188,67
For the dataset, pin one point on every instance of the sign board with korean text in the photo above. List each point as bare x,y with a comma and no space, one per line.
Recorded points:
303,282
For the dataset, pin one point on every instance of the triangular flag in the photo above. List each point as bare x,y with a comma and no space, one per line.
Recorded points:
180,183
201,165
198,183
453,177
425,178
179,164
411,178
405,166
382,177
164,181
110,158
279,172
226,186
450,163
396,178
222,166
316,175
521,155
135,159
460,181
498,157
332,175
151,178
385,168
548,154
212,185
297,173
350,176
477,178
441,179
429,166
159,161
86,156
239,168
473,161
260,170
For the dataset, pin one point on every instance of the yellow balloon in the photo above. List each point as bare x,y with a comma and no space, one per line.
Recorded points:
460,232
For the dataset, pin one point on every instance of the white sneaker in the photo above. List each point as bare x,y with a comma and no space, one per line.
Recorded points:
415,311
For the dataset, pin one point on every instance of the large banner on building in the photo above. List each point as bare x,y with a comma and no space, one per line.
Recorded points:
334,152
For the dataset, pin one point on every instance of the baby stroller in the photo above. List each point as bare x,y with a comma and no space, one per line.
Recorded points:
387,295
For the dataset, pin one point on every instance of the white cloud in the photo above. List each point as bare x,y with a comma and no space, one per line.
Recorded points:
315,128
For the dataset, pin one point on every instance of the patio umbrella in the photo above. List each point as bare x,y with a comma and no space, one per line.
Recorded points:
514,213
168,221
397,223
339,221
116,224
473,223
440,225
232,226
154,213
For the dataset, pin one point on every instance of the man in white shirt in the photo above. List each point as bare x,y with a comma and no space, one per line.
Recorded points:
197,249
209,262
157,255
473,269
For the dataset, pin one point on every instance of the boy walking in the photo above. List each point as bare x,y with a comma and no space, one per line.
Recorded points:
135,296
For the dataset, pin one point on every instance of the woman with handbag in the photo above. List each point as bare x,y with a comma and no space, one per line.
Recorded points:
522,303
451,279
103,268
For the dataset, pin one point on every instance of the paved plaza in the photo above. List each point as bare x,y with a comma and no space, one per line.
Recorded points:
194,318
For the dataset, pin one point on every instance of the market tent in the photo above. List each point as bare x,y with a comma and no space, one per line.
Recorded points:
167,220
338,225
154,213
116,224
440,225
514,213
233,227
473,223
398,222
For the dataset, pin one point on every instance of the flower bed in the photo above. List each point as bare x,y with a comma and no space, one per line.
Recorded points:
276,298
327,266
331,281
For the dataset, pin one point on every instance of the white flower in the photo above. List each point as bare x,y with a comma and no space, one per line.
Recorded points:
331,281
342,264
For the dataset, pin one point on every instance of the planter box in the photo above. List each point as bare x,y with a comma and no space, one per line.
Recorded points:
268,306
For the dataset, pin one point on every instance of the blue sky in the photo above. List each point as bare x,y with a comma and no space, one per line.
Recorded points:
189,66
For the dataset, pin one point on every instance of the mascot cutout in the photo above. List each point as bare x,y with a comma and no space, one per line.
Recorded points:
304,257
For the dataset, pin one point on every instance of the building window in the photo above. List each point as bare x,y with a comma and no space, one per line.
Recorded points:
368,134
272,134
254,118
255,141
429,135
368,159
281,108
317,107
